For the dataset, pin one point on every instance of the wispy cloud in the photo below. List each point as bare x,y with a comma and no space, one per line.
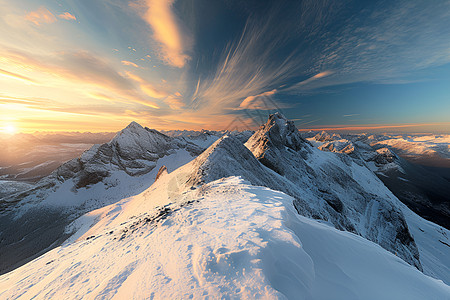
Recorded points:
246,69
387,43
16,76
175,101
40,16
378,45
129,63
148,88
261,101
153,92
280,55
307,82
79,66
67,16
167,31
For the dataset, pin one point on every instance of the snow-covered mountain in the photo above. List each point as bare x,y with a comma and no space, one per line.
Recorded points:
275,217
428,149
189,236
102,175
424,189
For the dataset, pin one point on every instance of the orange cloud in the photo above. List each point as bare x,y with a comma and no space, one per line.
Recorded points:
16,76
153,92
175,101
67,16
322,74
40,16
101,96
258,101
129,63
80,66
167,32
148,88
315,77
134,77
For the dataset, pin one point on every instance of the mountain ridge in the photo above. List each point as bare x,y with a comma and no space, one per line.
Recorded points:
333,187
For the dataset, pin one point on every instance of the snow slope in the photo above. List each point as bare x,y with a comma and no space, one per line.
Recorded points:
225,239
33,221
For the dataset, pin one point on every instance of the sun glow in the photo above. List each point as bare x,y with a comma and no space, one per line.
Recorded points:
9,129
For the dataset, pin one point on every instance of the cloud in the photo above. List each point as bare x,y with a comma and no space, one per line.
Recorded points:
167,31
48,105
80,66
148,88
175,101
40,16
387,43
249,68
34,102
153,92
102,96
16,76
262,101
316,50
67,16
129,63
308,81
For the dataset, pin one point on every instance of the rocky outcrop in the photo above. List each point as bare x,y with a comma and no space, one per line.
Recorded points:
330,187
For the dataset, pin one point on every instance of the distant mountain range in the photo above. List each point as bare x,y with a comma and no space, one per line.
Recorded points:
309,211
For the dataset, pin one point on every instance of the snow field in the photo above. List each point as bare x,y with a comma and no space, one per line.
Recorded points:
226,239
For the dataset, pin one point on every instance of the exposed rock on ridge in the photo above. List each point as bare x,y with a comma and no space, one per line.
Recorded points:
326,186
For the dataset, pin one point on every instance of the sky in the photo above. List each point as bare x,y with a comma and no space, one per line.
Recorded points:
82,65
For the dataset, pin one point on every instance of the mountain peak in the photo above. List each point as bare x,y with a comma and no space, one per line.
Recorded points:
277,115
228,157
134,125
278,132
273,139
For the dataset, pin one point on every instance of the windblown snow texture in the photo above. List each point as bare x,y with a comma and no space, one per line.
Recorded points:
225,239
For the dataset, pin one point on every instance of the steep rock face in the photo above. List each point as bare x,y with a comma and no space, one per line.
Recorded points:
334,187
274,139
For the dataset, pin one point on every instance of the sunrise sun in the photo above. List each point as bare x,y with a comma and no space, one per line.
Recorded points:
9,129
